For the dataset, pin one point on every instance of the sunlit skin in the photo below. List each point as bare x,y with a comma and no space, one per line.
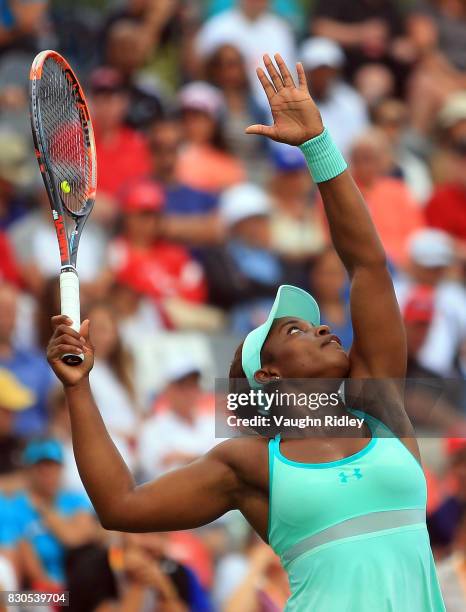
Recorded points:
234,474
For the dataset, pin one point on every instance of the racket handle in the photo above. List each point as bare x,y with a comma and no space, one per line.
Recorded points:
69,297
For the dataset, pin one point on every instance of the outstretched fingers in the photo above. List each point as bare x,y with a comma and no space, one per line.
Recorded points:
302,81
266,84
284,72
273,73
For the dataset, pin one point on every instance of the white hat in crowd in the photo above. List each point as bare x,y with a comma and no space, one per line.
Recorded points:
179,368
243,201
202,97
431,248
318,51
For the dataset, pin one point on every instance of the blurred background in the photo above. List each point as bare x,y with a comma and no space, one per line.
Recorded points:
194,227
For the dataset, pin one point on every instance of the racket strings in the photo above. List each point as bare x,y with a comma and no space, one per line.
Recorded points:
65,140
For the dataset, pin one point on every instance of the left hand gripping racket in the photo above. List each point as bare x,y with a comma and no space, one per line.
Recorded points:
65,150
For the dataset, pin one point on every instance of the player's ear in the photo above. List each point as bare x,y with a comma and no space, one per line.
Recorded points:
267,374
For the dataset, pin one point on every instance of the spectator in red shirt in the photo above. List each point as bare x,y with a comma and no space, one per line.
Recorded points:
151,266
446,209
122,153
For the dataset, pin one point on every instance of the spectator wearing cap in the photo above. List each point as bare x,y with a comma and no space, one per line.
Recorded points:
14,398
28,366
122,153
185,369
394,212
254,29
225,68
141,259
297,228
205,162
45,516
343,110
244,273
446,209
431,257
181,432
190,214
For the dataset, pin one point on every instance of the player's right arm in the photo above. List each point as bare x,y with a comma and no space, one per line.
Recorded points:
186,498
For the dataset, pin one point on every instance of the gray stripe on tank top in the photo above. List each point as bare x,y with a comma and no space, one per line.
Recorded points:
360,525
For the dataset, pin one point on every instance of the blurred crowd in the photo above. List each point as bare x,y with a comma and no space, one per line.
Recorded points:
194,227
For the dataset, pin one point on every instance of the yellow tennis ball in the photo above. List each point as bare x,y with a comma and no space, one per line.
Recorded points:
65,186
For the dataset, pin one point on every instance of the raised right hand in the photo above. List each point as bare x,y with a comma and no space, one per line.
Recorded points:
65,340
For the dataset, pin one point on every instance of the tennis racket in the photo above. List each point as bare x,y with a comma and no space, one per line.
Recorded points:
65,150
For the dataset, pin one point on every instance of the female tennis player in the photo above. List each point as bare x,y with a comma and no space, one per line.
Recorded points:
346,515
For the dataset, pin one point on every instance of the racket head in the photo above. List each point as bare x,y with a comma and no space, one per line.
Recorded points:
63,135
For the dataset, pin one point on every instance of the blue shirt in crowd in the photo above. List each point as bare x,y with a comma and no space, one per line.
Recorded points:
183,200
22,521
32,370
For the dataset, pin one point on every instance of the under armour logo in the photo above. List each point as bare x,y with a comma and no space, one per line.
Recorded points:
345,476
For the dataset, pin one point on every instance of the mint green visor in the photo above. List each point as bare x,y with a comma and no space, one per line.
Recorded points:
289,302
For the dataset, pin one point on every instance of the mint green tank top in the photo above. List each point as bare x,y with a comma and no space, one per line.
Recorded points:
352,533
